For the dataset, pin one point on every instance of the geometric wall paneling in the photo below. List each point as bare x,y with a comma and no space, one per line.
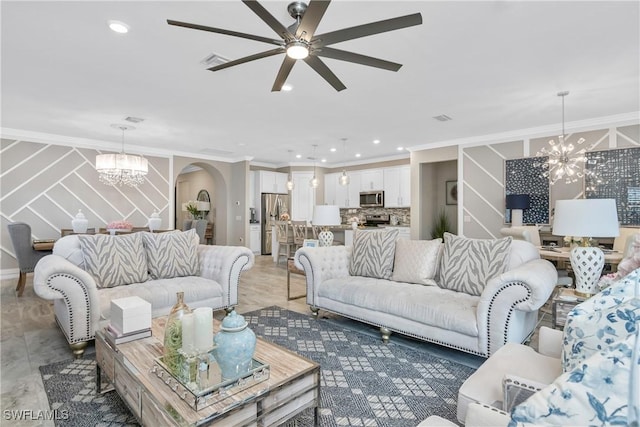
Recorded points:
524,176
615,174
45,185
628,136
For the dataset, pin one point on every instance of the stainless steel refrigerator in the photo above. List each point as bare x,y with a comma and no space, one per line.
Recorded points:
273,205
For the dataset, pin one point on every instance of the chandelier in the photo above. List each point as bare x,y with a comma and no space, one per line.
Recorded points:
563,162
122,168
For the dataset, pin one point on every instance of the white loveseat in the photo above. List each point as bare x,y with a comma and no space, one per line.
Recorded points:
505,308
154,269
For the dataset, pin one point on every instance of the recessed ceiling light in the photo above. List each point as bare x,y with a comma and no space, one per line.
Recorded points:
400,148
332,149
118,26
376,141
287,88
358,154
324,160
298,156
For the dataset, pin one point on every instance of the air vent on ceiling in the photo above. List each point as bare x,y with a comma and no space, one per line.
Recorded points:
213,60
133,119
443,118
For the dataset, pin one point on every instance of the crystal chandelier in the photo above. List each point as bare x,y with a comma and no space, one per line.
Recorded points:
344,178
122,168
563,162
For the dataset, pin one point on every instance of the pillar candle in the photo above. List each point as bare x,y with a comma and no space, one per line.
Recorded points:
203,328
188,333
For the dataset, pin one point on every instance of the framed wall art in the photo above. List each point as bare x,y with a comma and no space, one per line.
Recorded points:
615,174
525,176
452,192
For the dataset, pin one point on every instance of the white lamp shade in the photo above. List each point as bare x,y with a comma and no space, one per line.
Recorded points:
204,206
326,215
586,218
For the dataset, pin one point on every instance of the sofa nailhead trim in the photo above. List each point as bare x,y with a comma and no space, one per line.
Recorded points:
71,338
509,315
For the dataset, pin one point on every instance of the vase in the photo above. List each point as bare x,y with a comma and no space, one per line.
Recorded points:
154,222
173,335
79,223
235,344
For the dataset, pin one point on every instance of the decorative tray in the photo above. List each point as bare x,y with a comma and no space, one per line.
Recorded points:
210,388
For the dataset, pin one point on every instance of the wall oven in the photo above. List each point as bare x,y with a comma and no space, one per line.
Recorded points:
372,199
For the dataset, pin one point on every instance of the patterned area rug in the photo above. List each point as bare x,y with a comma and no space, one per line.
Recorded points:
364,382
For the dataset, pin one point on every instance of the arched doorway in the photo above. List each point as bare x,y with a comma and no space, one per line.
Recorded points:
199,181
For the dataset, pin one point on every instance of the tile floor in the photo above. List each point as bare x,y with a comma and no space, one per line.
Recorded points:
30,338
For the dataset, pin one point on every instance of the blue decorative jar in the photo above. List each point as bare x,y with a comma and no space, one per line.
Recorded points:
235,344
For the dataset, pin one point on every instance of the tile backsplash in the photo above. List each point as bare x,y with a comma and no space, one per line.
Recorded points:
403,214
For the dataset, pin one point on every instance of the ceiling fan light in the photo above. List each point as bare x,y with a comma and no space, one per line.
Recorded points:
297,50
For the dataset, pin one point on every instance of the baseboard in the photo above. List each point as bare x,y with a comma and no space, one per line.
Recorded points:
9,273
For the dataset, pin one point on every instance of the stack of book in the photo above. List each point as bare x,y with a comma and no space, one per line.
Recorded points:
44,244
114,336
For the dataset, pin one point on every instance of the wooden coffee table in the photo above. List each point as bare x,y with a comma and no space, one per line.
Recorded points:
293,386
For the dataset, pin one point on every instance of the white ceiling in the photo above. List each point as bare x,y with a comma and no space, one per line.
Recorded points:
492,66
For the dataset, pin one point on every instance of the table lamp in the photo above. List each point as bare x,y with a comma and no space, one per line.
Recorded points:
586,218
517,202
325,216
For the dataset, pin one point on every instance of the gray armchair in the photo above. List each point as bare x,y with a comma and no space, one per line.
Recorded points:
20,234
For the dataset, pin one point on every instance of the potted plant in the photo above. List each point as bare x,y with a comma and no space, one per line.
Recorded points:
192,208
441,225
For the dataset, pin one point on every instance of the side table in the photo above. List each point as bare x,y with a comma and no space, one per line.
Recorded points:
291,268
564,299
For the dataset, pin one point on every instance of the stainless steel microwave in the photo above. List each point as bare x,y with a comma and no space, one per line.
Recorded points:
372,199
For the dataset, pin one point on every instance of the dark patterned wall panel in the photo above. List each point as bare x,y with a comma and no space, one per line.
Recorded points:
524,176
615,174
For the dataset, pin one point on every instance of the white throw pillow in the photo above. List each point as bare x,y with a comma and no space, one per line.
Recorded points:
468,264
173,254
373,253
416,261
114,260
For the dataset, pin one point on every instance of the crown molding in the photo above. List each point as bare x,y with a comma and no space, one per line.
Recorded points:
625,119
95,144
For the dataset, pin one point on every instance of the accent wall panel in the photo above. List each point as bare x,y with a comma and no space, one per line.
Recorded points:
524,176
615,174
44,185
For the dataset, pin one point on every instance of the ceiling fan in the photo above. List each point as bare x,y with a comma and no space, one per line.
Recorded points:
299,41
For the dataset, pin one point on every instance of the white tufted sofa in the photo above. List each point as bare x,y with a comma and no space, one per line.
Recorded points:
80,305
506,311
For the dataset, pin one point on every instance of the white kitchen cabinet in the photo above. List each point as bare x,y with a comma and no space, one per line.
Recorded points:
273,182
254,238
343,196
303,197
397,187
330,185
371,179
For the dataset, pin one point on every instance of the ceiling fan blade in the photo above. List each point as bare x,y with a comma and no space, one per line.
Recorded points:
342,55
247,59
322,69
268,18
281,78
311,18
225,32
367,30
